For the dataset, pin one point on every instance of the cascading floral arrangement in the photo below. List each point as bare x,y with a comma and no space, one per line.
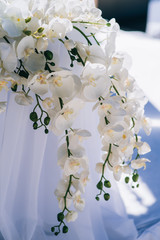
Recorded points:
30,65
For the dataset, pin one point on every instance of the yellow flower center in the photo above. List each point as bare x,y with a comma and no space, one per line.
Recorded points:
67,112
106,107
78,199
42,79
18,19
28,51
123,149
144,121
88,52
124,136
114,60
84,181
92,81
3,84
47,102
127,82
58,81
37,15
74,163
117,168
110,132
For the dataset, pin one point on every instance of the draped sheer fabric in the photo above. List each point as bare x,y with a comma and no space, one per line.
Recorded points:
29,175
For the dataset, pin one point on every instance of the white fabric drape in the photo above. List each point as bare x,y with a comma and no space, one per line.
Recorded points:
29,175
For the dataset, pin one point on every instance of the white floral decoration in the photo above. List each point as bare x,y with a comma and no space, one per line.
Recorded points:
30,66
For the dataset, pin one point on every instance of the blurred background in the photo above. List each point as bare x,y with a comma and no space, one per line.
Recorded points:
130,14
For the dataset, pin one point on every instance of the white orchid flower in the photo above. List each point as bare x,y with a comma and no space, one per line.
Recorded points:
22,99
39,83
72,166
77,136
71,216
35,62
8,56
79,203
76,161
69,44
96,82
119,169
60,192
62,155
127,170
2,32
95,54
117,172
139,163
116,65
26,47
58,28
64,84
142,147
126,150
114,158
83,180
47,103
41,44
117,134
99,167
33,24
146,124
61,202
65,118
92,53
61,188
142,122
13,22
